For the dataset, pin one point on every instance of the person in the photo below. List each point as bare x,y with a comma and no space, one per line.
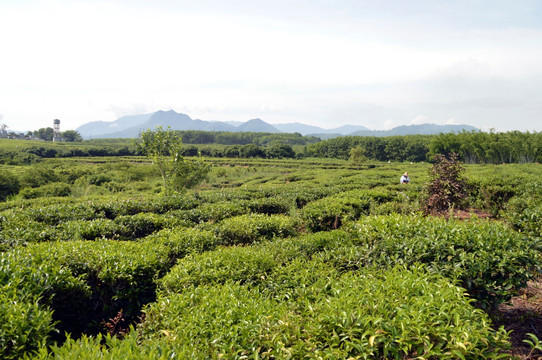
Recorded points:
405,179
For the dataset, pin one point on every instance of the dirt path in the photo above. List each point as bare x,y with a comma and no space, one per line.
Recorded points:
521,316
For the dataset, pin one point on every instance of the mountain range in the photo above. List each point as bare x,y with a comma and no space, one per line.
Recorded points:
131,126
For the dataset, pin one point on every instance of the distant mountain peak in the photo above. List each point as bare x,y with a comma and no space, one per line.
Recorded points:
132,125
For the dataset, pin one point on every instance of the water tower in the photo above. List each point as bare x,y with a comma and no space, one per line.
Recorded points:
56,130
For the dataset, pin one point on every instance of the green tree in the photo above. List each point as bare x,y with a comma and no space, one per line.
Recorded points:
71,136
44,133
163,147
279,151
357,155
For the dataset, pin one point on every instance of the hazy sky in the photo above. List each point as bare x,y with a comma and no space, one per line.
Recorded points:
328,63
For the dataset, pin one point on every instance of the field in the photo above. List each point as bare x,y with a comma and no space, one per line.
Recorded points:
267,259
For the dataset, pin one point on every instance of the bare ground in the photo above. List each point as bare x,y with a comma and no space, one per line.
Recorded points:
523,315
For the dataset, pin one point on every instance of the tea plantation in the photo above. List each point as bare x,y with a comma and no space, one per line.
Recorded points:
266,259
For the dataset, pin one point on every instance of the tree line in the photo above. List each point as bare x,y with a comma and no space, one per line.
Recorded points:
474,147
244,138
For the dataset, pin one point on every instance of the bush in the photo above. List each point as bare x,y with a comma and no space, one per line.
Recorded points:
248,264
247,229
48,190
9,185
270,205
447,188
489,259
181,242
331,212
86,283
394,313
238,264
34,284
24,324
214,212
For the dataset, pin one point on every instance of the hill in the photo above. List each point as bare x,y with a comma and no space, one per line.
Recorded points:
131,126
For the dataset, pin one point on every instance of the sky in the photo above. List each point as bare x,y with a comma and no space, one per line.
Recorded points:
327,63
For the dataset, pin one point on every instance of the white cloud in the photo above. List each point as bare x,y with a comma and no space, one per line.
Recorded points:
420,119
451,121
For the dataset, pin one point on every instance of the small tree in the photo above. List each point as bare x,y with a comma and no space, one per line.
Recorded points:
71,136
163,147
447,189
357,155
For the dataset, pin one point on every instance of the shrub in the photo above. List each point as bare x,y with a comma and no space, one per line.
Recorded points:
34,284
393,313
239,264
330,212
214,212
247,229
270,205
48,190
447,189
489,259
85,282
24,324
183,241
9,184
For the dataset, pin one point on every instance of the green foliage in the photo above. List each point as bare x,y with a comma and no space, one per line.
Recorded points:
164,148
332,211
357,155
394,148
490,148
524,211
9,185
181,242
280,151
391,313
490,260
44,133
124,227
247,229
71,136
534,343
252,265
240,272
24,324
48,190
270,205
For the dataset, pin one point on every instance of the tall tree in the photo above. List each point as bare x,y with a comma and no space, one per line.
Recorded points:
163,147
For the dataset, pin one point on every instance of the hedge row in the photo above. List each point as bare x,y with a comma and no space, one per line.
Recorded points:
393,313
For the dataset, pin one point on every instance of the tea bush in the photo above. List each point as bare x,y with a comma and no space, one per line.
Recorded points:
116,275
392,313
248,264
524,211
244,264
270,205
9,184
330,212
489,259
214,212
31,286
181,242
24,324
247,229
